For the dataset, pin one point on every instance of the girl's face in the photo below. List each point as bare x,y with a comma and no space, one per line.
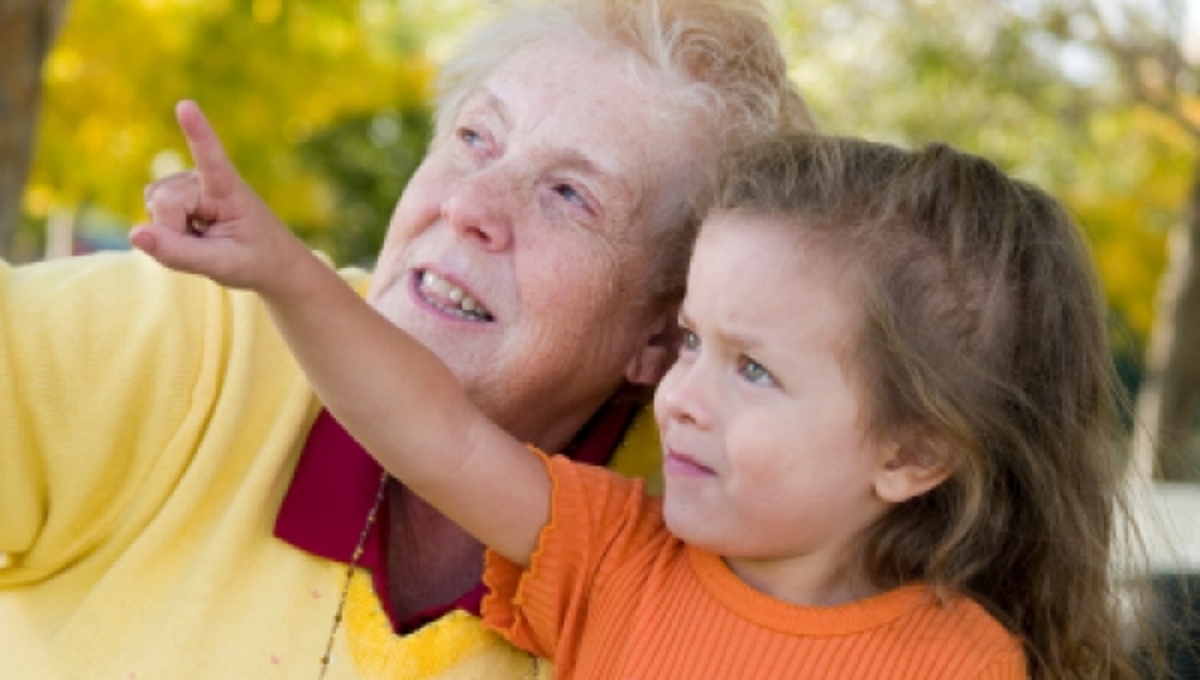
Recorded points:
766,457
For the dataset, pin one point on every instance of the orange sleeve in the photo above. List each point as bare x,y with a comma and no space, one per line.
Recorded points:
596,517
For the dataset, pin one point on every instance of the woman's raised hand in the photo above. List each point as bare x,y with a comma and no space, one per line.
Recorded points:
208,221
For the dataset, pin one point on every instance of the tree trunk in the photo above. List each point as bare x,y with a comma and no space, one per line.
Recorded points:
27,31
1169,399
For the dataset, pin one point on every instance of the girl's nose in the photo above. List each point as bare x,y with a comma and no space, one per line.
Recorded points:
685,393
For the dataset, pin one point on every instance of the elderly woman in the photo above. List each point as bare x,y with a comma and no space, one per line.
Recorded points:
174,503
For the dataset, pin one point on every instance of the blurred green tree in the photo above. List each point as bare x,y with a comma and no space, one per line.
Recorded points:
366,160
275,78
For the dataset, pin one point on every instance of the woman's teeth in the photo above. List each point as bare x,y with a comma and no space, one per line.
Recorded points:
450,298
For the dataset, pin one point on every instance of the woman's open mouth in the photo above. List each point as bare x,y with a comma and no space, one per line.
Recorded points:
448,297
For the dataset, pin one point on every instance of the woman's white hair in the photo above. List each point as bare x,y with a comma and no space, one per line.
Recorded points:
720,55
718,61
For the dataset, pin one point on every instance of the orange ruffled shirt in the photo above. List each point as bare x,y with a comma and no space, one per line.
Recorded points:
610,593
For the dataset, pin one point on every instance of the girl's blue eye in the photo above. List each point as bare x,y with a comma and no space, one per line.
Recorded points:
754,372
690,340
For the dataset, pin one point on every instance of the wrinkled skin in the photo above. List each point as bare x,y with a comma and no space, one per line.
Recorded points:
531,202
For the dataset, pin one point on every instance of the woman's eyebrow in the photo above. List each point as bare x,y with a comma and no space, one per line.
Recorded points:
484,97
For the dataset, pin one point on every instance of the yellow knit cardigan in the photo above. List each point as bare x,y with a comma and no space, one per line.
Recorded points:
149,426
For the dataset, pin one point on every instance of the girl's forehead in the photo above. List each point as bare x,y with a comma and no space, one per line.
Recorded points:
733,226
737,252
795,236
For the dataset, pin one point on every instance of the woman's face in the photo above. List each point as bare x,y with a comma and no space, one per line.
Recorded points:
518,251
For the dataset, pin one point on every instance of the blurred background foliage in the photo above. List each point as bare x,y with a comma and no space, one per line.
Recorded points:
324,105
989,79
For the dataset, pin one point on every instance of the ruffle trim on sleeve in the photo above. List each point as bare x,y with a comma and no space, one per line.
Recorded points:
512,596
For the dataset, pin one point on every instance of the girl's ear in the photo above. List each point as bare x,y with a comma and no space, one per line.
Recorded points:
913,463
657,351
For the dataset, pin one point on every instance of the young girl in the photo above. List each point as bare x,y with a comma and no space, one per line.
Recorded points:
887,437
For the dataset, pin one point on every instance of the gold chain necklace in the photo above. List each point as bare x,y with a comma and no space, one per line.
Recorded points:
354,558
380,493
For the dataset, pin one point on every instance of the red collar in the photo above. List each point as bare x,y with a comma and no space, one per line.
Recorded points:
334,487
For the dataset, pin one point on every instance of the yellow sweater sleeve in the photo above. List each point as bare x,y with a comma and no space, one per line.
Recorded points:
149,425
112,371
99,360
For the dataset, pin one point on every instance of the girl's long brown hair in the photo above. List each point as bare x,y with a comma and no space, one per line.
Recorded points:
983,331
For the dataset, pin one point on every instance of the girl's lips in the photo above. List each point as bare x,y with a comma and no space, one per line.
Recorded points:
679,465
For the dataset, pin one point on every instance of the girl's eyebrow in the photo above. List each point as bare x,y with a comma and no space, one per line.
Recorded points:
729,338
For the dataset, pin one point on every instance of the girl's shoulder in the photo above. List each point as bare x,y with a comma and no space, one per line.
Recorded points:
956,625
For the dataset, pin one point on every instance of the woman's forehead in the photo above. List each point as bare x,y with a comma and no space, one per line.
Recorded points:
586,107
594,98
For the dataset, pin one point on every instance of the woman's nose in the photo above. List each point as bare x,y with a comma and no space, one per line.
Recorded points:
481,208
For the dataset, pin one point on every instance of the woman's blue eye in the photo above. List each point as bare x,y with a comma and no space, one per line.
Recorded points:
470,136
754,372
572,195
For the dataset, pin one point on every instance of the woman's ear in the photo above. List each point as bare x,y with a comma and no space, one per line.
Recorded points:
913,463
657,351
